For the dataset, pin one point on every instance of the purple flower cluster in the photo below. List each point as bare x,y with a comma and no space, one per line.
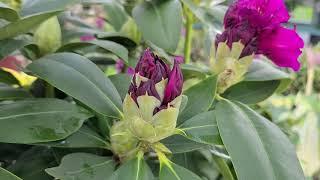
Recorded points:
258,25
153,70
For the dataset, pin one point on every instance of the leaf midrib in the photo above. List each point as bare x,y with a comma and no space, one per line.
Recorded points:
34,113
71,173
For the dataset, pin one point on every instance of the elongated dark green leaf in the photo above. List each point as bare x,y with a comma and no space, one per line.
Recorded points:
263,71
30,7
116,14
118,38
37,6
258,148
200,98
135,169
8,13
110,46
191,71
82,80
160,22
39,120
83,138
122,83
8,78
176,172
82,166
38,159
9,93
250,92
202,128
6,175
261,81
25,24
180,144
10,45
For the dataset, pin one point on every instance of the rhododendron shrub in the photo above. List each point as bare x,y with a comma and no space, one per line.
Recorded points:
105,92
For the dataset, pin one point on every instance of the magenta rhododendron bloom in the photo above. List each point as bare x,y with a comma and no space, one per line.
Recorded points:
257,25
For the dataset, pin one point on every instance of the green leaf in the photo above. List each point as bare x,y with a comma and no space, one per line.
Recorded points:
135,169
37,6
24,25
116,14
210,17
175,172
8,13
83,138
180,144
82,80
39,120
122,83
109,46
263,71
8,46
6,175
38,159
30,7
250,92
83,166
261,81
202,128
8,78
118,38
191,71
200,98
160,22
10,93
258,148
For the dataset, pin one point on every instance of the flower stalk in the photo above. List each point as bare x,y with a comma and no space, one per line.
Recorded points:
189,33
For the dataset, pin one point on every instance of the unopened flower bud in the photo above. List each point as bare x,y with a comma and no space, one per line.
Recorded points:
48,43
152,105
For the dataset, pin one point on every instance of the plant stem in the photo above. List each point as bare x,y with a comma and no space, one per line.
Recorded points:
189,32
310,81
49,91
223,168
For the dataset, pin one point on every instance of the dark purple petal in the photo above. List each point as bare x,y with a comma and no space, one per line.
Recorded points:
282,46
130,71
180,59
144,88
174,86
152,67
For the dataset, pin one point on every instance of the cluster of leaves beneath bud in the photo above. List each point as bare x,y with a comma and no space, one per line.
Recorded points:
150,108
229,65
